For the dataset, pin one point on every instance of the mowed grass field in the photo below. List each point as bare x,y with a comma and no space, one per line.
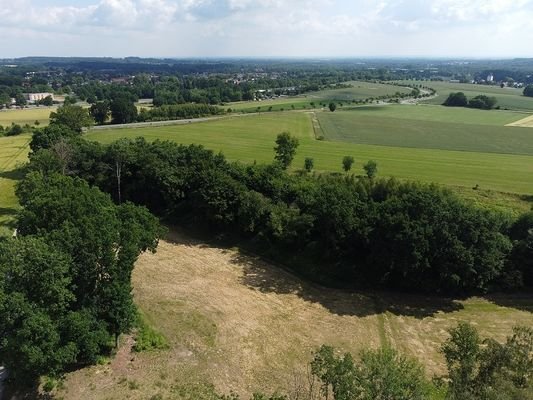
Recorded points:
235,323
358,91
13,152
510,98
429,127
252,137
26,116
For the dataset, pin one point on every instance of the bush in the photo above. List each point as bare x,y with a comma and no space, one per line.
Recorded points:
147,338
528,91
378,374
456,100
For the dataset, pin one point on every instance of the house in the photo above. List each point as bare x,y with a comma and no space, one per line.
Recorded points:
490,78
33,97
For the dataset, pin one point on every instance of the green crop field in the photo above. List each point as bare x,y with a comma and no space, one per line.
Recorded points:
510,98
430,127
26,116
358,91
252,137
13,151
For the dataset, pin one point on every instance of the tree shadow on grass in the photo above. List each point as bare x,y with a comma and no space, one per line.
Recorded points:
267,278
7,212
522,301
14,174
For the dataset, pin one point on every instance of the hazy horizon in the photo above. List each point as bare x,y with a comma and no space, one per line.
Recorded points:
444,29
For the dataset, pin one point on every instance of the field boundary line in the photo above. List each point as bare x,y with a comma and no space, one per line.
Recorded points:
15,156
526,122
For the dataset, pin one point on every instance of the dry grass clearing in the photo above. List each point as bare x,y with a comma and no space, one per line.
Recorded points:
526,122
236,323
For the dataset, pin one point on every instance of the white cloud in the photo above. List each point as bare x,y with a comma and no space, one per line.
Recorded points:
266,27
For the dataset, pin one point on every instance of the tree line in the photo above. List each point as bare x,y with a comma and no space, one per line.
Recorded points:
65,281
459,99
361,231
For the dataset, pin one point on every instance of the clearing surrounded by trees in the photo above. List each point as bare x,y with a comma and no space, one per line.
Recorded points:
236,323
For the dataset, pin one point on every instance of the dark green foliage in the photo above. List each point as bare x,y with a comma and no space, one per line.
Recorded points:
309,164
100,112
65,283
45,138
123,110
371,169
347,163
460,100
179,111
528,91
481,370
429,235
47,101
358,231
521,258
14,130
332,107
74,117
379,374
35,292
482,102
285,149
456,100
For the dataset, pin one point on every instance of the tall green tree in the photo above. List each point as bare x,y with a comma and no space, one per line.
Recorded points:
371,168
309,164
102,239
123,110
347,163
456,100
35,292
379,374
100,112
74,117
285,149
485,369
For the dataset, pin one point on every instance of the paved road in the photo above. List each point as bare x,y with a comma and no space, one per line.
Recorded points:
171,122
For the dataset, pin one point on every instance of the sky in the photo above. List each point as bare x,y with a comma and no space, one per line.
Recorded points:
267,28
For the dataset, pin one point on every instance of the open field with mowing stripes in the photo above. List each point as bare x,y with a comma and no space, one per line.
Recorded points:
252,138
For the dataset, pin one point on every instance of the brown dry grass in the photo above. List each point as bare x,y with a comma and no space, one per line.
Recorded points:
526,122
236,323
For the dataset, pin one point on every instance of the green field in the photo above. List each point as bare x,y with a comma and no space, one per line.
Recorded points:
252,137
429,127
510,98
358,91
13,152
26,116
